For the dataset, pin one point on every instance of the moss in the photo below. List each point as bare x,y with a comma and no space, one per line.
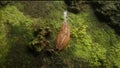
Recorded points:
92,44
83,45
108,12
41,40
14,27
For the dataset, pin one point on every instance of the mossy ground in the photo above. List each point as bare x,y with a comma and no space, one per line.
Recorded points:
92,44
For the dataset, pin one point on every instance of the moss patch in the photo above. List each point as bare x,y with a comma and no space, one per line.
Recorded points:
92,44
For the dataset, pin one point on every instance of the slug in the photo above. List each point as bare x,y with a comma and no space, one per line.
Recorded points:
63,36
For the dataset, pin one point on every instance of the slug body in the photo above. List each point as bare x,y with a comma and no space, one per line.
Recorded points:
63,36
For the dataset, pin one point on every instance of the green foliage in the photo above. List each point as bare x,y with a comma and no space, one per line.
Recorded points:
15,28
92,42
82,44
41,40
109,12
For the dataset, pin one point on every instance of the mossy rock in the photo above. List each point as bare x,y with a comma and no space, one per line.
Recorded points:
41,40
108,12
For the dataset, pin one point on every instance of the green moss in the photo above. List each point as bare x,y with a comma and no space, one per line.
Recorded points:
82,44
92,44
14,28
